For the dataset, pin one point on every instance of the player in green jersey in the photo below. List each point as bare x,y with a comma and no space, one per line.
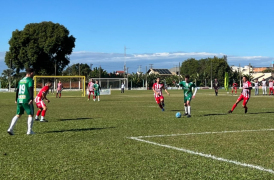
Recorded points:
97,89
24,100
188,94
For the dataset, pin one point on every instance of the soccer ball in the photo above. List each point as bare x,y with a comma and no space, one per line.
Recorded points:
178,115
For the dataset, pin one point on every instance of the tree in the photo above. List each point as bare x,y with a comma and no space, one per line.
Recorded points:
200,70
40,46
268,70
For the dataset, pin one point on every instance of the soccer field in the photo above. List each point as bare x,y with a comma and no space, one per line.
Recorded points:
127,136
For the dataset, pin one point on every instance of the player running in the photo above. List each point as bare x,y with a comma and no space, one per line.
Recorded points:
90,89
245,95
97,89
270,84
264,87
188,94
41,104
59,89
234,87
216,86
24,100
158,95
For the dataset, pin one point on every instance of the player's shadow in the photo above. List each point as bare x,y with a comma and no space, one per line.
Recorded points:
76,130
261,113
72,119
214,114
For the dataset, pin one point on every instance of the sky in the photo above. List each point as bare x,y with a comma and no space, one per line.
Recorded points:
151,33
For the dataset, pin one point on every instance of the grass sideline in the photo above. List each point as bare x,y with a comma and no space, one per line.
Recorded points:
89,140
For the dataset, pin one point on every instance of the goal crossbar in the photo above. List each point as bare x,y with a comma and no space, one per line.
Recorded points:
82,82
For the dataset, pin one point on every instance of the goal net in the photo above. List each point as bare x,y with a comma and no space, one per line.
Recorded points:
73,86
112,83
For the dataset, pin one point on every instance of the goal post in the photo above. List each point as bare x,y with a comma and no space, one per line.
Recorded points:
73,86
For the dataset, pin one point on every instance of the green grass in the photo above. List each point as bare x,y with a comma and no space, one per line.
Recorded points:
90,140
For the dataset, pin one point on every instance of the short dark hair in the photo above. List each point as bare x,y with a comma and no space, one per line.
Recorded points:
187,76
245,76
29,70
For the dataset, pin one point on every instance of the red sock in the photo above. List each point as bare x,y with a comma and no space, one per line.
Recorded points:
38,112
60,95
43,113
233,107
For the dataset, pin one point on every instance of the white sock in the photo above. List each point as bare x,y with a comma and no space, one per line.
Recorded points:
36,117
30,123
188,110
42,117
13,122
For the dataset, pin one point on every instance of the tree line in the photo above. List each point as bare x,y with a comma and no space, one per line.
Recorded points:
46,47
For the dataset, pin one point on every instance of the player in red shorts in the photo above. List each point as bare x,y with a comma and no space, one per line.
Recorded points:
40,103
157,89
90,89
245,95
270,84
234,87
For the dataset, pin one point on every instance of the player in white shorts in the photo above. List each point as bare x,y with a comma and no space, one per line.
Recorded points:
264,87
256,87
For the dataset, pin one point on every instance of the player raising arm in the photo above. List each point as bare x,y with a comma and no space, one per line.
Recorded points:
187,86
158,95
245,95
41,104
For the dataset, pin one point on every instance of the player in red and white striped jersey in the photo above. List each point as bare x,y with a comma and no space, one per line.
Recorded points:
234,87
41,104
270,84
245,95
59,89
158,95
90,89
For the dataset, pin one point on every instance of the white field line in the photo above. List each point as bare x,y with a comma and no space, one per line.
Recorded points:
187,134
206,155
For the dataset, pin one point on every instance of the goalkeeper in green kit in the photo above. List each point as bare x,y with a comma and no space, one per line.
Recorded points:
188,94
97,89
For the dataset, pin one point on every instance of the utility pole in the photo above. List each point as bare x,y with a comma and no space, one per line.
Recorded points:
240,75
90,66
9,75
151,66
146,77
125,54
179,71
211,75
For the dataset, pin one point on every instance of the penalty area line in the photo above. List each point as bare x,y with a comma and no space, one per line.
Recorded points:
201,133
206,155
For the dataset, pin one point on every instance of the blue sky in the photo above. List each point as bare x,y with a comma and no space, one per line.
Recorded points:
158,32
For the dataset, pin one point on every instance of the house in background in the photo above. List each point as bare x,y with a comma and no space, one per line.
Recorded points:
161,72
175,71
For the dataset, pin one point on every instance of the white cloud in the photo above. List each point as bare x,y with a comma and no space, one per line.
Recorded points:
115,61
